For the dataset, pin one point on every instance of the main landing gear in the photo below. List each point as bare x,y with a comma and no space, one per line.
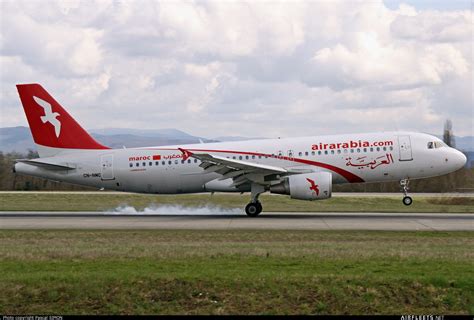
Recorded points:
254,208
407,200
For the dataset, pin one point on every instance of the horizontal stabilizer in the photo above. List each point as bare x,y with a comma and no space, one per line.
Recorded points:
47,165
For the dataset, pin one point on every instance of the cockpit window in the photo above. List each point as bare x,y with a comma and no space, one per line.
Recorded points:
435,144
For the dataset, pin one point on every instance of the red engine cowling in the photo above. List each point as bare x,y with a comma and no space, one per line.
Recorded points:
307,186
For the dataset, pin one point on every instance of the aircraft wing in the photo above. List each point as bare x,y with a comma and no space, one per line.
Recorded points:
240,171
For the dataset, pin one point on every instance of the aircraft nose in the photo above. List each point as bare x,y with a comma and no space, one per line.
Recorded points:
459,159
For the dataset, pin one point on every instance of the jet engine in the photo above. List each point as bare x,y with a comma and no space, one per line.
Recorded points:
307,186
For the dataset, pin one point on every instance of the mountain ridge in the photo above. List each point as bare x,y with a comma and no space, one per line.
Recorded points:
19,139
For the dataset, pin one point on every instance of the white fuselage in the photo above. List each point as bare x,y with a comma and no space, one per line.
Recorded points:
351,158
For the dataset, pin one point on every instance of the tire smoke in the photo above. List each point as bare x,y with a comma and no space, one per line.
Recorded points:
175,210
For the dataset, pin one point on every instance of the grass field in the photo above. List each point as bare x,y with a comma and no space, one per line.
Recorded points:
100,201
244,272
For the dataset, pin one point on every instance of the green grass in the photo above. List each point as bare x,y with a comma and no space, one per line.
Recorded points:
243,272
37,201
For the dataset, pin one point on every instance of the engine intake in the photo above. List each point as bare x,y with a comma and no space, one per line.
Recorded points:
307,186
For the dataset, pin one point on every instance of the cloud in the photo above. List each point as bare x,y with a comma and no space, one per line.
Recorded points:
242,68
433,26
369,62
52,46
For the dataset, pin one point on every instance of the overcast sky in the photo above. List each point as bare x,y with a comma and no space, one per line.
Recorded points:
244,68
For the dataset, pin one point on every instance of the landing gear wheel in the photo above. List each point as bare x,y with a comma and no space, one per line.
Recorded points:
253,209
259,206
407,200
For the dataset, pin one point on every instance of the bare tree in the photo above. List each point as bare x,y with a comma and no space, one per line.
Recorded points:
448,136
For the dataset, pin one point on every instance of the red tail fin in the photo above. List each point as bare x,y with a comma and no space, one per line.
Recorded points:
50,124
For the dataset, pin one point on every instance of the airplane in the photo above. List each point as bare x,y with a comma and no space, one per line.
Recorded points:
303,168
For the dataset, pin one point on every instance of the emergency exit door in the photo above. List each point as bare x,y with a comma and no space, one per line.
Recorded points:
107,164
404,145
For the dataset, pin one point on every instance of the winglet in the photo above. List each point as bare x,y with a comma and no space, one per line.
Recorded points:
186,153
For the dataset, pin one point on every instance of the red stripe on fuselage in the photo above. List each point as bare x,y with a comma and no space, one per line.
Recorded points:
349,176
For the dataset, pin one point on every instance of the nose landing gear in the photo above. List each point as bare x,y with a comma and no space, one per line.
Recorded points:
407,200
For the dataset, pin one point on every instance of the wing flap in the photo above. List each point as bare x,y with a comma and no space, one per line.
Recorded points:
240,171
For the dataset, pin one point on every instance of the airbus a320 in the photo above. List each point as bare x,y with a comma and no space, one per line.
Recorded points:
303,168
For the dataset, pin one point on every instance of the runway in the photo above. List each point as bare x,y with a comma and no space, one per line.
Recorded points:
267,220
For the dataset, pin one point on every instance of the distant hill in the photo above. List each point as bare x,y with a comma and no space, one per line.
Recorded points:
464,143
164,133
19,139
235,138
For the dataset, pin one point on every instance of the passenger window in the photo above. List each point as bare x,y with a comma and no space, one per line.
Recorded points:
246,157
176,162
195,160
144,164
163,162
137,164
365,149
253,157
131,165
378,148
371,149
326,152
352,150
169,162
240,157
332,151
319,152
300,153
182,161
306,153
346,151
384,148
150,163
157,163
189,160
358,150
391,148
313,153
339,151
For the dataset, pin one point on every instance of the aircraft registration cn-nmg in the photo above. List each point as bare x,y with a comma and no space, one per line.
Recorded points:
304,168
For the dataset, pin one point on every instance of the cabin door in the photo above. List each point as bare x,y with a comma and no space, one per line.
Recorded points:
404,145
107,163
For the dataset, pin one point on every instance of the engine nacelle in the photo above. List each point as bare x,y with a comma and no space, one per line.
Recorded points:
307,186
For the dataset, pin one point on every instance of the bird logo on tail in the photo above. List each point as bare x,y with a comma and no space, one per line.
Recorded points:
49,115
313,186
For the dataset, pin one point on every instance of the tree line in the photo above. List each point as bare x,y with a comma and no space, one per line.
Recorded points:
459,181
